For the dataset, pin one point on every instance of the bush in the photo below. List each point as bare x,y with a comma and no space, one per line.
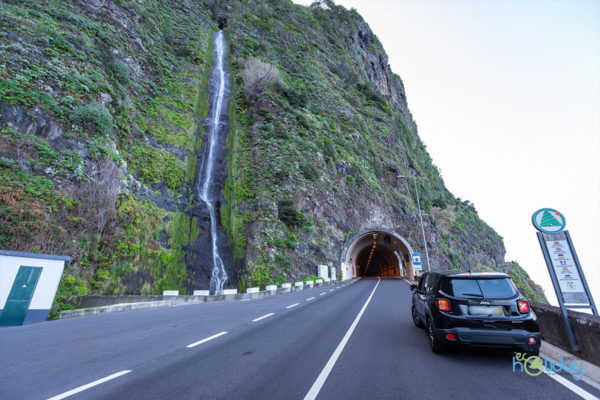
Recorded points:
94,117
296,93
289,215
120,71
259,77
310,278
309,171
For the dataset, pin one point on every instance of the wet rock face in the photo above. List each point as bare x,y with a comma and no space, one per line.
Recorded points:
203,259
199,261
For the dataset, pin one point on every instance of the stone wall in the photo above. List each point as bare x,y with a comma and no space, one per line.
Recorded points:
585,326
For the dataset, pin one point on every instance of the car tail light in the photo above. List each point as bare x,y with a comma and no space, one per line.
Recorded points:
450,336
531,340
443,305
523,306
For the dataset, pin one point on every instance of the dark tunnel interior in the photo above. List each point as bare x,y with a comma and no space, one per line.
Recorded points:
380,261
375,255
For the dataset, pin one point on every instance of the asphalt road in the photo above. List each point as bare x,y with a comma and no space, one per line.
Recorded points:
278,356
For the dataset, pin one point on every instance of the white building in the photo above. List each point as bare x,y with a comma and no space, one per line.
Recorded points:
28,284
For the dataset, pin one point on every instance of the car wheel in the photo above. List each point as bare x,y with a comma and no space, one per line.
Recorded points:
416,319
434,342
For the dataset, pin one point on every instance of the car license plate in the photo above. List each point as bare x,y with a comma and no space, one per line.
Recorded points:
485,310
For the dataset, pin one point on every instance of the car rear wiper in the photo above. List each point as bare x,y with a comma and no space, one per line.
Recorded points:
471,294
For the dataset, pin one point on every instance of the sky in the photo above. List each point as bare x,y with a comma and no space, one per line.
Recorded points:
506,96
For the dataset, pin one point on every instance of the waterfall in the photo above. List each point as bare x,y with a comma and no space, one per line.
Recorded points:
204,187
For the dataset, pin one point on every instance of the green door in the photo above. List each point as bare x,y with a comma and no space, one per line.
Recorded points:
20,296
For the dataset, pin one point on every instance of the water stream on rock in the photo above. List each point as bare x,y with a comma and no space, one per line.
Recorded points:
205,184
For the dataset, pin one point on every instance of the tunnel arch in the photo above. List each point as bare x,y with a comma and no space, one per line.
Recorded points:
377,252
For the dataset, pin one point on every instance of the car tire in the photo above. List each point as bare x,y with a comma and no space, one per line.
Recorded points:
435,343
416,319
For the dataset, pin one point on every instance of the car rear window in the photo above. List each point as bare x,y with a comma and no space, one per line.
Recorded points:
476,288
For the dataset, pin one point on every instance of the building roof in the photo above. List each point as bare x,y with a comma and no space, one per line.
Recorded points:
34,255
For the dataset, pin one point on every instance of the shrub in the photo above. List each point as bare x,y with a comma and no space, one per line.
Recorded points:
296,93
309,171
259,77
120,71
94,117
289,215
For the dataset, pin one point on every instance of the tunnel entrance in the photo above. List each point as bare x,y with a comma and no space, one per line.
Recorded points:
377,253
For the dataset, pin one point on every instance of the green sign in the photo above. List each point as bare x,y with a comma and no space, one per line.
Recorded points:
548,220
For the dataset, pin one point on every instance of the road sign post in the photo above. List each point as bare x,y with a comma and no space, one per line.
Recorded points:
568,280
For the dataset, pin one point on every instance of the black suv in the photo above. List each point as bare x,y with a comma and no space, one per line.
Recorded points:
482,309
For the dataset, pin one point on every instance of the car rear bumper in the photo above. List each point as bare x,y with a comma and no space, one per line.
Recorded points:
514,338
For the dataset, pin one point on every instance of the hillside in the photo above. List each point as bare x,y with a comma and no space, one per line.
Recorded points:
103,105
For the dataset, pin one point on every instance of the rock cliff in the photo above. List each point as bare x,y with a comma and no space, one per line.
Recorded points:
102,111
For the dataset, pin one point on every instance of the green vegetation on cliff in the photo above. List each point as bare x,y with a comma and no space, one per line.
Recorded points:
321,133
103,91
99,106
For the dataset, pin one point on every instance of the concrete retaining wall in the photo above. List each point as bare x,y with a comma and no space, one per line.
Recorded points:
99,301
90,305
585,326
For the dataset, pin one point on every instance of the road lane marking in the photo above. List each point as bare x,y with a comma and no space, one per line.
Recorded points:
263,317
323,293
293,305
571,386
89,385
332,290
205,340
316,387
309,299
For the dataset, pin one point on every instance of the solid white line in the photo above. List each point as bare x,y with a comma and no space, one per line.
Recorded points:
585,379
323,293
316,387
571,386
263,317
89,385
293,305
205,340
309,298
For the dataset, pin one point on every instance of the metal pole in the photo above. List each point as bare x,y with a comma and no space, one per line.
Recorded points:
422,228
581,275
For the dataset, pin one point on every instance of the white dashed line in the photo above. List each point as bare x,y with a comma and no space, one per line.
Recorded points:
89,385
293,305
310,298
332,290
205,340
263,317
323,293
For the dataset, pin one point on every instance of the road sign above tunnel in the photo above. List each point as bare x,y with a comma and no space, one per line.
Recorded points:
548,220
